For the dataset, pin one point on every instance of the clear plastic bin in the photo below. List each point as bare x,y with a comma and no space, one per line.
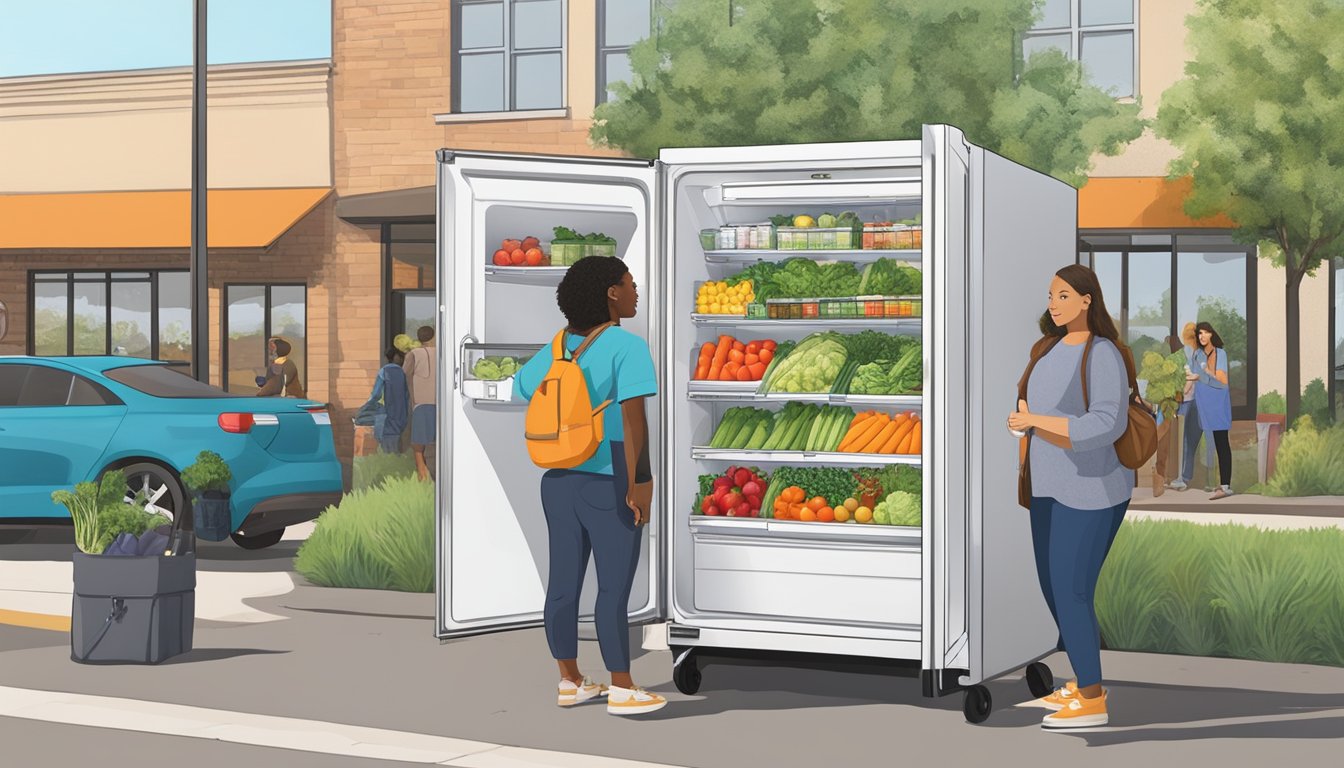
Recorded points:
568,253
488,369
746,237
817,238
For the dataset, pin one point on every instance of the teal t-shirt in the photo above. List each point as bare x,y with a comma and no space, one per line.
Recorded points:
618,367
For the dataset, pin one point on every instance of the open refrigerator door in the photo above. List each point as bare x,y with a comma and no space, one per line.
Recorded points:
509,226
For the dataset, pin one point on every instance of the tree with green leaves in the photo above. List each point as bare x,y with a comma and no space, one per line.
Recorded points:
795,71
1259,119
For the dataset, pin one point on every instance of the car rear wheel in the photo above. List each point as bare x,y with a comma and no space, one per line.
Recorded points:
163,494
260,541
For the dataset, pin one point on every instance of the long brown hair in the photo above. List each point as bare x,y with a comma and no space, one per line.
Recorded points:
1215,340
1084,282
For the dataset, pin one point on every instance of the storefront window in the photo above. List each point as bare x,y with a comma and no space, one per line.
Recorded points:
136,314
253,314
410,277
1211,288
1149,304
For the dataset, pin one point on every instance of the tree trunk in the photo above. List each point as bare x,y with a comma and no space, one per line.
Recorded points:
1293,343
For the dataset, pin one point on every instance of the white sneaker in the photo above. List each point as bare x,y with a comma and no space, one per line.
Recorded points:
633,701
571,694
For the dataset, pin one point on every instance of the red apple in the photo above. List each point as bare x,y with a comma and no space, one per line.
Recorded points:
530,242
501,258
742,477
751,488
518,257
743,510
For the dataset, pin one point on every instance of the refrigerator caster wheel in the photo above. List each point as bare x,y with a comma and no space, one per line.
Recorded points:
977,704
1040,680
686,676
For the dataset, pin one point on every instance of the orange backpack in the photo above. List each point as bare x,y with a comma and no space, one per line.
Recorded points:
562,427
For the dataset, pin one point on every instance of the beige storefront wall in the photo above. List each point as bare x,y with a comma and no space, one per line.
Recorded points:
1162,57
269,126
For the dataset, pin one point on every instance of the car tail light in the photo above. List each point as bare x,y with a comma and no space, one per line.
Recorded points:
242,423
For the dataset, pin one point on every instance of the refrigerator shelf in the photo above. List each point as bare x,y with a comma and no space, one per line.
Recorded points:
909,325
525,275
703,525
818,458
856,255
716,391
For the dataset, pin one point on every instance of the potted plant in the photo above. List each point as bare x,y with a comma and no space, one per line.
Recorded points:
137,608
208,481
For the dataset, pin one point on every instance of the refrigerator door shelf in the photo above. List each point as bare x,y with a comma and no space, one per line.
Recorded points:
548,276
903,325
733,390
775,530
856,255
898,402
820,458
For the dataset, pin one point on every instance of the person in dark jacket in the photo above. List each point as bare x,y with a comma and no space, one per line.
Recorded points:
282,377
394,410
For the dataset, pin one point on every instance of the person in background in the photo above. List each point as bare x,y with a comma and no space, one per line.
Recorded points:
1189,412
390,386
1079,489
1214,400
1164,434
422,380
600,506
282,377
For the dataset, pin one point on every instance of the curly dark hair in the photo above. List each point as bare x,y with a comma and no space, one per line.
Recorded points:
582,294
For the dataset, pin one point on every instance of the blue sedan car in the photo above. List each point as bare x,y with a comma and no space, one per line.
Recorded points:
65,420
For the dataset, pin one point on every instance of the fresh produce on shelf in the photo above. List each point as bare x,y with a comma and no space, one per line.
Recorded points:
812,366
497,368
869,346
899,508
886,377
520,253
801,427
720,298
743,429
733,360
736,493
568,246
780,352
874,432
896,477
888,277
824,482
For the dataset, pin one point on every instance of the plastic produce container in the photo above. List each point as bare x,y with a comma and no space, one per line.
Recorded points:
903,306
817,238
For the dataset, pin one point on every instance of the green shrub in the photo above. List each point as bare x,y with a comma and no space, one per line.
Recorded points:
378,538
374,468
208,473
1316,404
1271,403
1310,462
1226,590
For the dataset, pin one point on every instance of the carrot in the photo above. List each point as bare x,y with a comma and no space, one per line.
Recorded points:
702,372
856,428
720,356
751,358
895,438
757,371
766,354
870,430
744,373
735,356
707,349
912,442
882,437
904,433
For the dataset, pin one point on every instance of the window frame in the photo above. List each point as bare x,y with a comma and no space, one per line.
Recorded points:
1087,252
265,327
604,50
1335,266
1077,31
507,50
109,397
388,319
109,278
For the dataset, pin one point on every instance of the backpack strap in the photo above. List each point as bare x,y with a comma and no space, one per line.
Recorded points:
1129,369
558,353
592,336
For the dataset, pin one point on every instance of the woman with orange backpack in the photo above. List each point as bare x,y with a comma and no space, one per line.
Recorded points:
592,500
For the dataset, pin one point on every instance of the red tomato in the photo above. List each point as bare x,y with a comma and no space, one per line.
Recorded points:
518,257
533,256
501,258
767,355
753,348
529,243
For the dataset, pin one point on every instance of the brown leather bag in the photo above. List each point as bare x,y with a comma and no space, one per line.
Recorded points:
1139,441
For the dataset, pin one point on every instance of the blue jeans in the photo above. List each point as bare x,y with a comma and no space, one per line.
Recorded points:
1070,547
586,513
1191,439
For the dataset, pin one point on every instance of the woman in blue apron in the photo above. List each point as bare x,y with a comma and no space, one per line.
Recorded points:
1213,400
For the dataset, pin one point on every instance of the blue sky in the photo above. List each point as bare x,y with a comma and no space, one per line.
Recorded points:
51,36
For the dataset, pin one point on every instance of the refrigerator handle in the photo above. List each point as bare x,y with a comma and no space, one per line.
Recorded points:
461,361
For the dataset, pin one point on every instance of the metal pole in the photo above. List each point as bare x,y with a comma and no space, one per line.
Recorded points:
200,306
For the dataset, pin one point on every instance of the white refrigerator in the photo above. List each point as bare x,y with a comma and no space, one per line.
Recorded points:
954,601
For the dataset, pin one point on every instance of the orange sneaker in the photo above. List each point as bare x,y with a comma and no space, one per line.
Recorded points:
1081,712
1057,700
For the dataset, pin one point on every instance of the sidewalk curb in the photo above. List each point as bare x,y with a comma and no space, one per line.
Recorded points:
35,620
286,732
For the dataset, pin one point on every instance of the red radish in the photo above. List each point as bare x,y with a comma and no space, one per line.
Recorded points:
743,510
754,501
722,482
742,477
720,492
731,500
529,243
707,504
751,488
713,511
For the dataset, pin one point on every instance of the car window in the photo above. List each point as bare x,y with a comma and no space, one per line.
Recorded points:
164,381
45,386
11,383
85,392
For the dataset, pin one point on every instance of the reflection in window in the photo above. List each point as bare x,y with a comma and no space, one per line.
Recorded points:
1149,303
90,318
51,321
115,313
1212,289
508,55
621,24
174,318
1108,267
131,318
253,314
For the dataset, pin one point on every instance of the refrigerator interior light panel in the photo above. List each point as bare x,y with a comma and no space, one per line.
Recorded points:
812,190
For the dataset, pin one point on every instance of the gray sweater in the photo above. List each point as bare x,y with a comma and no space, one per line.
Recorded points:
1089,475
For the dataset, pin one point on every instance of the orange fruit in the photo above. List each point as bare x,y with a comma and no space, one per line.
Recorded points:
518,257
533,256
807,515
501,258
863,515
816,503
841,515
825,515
851,504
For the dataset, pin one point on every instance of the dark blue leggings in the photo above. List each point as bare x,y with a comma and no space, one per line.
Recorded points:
1070,547
586,513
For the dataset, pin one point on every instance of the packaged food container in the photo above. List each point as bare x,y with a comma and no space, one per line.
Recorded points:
903,306
832,309
811,308
756,310
709,239
566,253
871,307
850,308
488,369
743,236
817,238
908,238
880,235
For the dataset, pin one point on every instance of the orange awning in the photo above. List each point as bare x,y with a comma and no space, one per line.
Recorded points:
235,218
1139,203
